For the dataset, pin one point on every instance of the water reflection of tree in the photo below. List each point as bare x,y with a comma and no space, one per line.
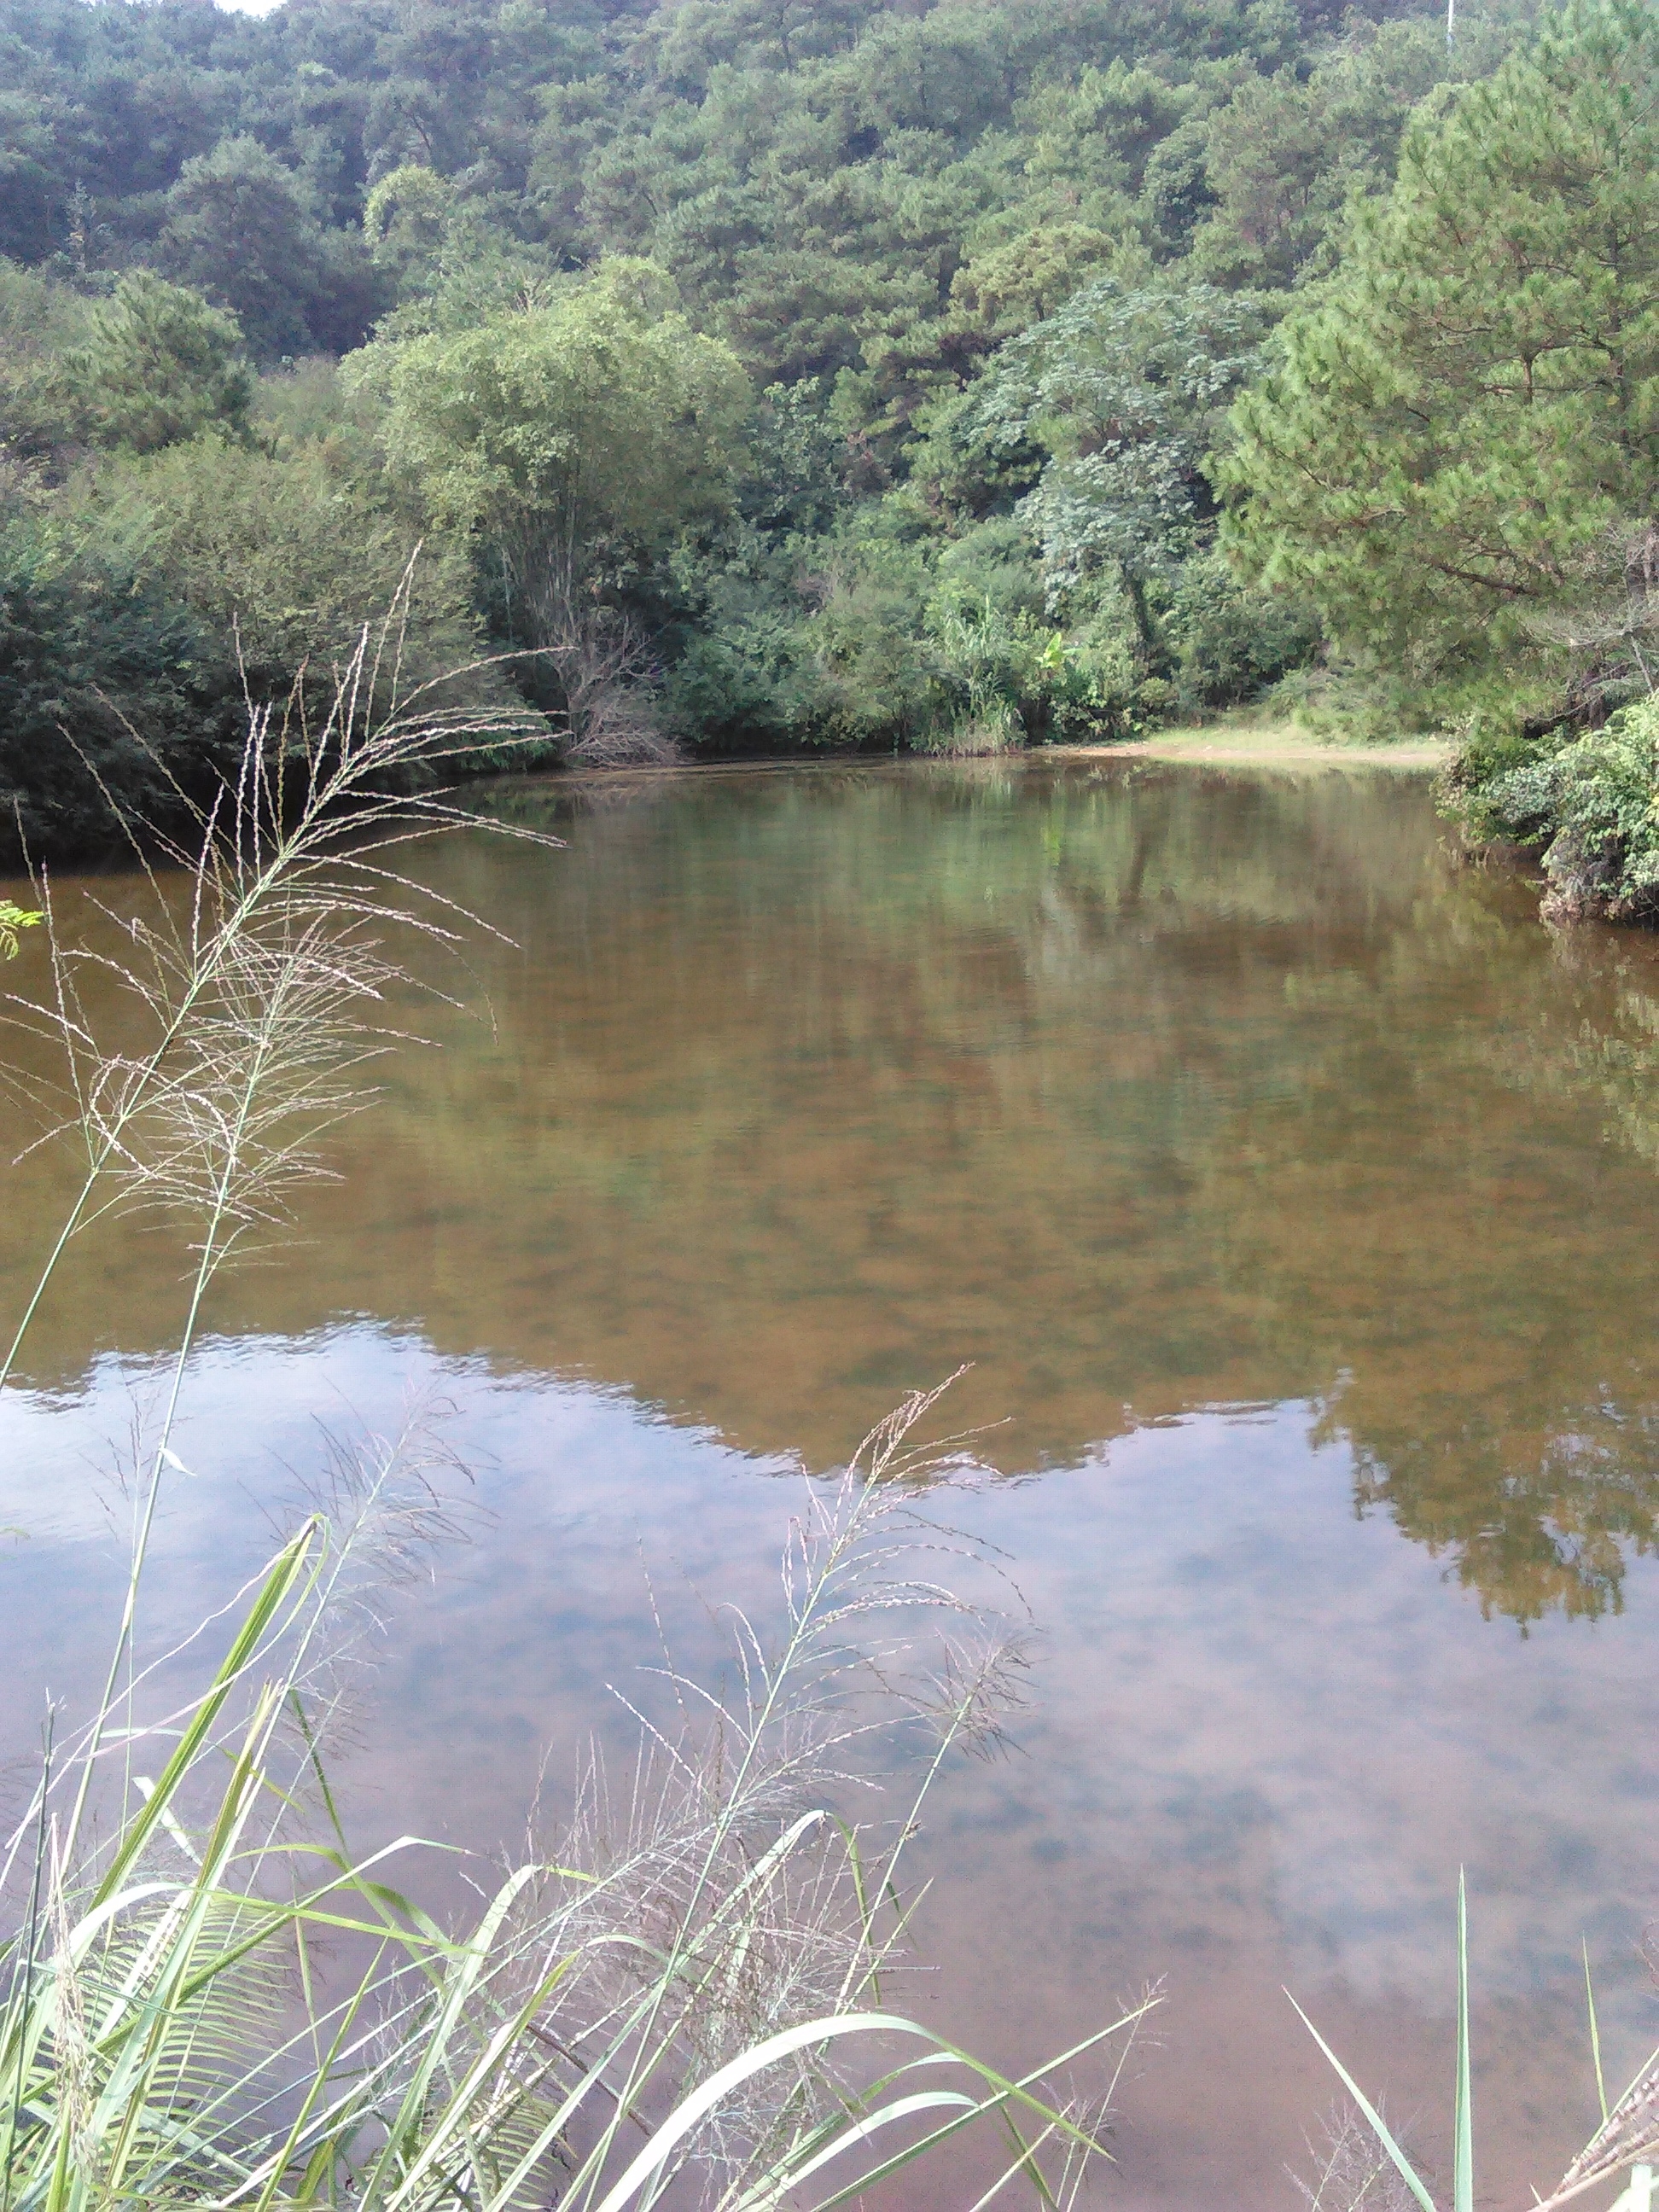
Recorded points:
1141,1089
1526,1455
1423,1205
1529,1536
1545,1512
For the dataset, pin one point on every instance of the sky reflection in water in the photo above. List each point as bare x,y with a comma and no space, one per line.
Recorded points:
1292,1191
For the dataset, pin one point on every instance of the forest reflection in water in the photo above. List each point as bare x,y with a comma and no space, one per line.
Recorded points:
1140,1088
1278,1173
1149,1087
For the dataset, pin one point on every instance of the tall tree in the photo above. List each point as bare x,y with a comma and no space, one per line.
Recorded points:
241,228
1453,425
1124,390
598,425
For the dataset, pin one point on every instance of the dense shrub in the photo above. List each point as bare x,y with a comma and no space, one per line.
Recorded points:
1234,643
151,600
157,365
278,554
110,689
1591,804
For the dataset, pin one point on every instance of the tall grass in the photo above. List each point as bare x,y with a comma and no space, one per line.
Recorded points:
1627,2138
210,1997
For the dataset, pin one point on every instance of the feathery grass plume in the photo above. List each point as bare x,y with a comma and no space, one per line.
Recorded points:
1352,2172
244,997
679,2004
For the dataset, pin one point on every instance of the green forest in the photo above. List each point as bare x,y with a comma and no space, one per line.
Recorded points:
757,377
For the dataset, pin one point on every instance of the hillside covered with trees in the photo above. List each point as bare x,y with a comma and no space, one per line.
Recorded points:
771,374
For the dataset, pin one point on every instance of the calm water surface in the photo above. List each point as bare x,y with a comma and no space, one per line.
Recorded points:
1293,1192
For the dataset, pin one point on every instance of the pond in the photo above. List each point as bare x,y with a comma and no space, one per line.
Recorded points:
1292,1192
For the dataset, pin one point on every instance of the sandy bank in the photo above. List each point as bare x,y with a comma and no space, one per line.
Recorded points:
1274,743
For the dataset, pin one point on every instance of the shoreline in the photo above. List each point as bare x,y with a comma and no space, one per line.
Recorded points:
1278,745
1266,745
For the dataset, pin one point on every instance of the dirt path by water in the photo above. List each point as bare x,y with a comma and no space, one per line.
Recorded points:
1269,744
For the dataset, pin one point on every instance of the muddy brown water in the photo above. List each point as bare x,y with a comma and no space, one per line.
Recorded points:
1292,1191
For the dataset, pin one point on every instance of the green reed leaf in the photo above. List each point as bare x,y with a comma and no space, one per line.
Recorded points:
1374,2119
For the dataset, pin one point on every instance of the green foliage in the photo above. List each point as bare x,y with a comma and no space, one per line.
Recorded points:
451,256
1230,644
410,220
305,408
143,605
1592,803
1124,391
158,366
110,689
1463,2119
240,228
900,193
1088,439
277,555
874,636
562,436
1454,423
817,178
39,322
14,918
1283,152
997,271
478,2070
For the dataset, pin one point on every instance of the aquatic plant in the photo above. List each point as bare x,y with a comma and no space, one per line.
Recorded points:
206,1995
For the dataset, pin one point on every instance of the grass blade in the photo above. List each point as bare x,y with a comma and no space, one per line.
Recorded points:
1374,2119
1594,2033
1463,2120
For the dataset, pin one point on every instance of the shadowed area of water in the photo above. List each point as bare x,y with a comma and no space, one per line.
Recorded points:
1291,1190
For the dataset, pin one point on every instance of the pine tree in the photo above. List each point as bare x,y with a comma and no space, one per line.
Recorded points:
1461,415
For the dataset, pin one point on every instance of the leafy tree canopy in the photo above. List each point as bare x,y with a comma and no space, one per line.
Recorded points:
510,273
1125,389
601,422
240,228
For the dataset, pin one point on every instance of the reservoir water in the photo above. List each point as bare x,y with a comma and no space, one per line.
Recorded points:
1292,1192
